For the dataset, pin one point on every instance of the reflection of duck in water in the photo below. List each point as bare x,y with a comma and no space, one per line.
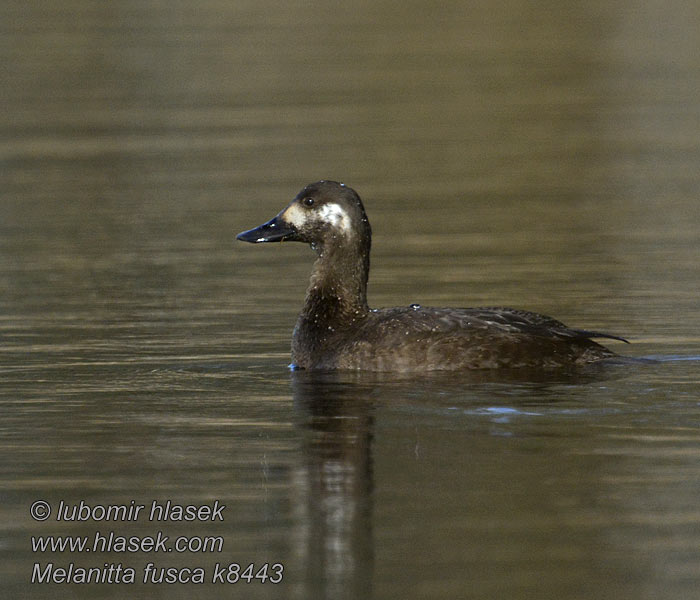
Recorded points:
333,485
337,330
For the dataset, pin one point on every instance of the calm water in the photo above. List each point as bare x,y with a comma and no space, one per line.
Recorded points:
542,155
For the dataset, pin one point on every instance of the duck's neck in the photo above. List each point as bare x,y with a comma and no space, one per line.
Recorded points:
337,294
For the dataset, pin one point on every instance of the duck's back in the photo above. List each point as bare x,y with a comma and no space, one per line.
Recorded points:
426,339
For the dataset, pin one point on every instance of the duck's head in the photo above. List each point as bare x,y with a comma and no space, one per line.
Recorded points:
323,213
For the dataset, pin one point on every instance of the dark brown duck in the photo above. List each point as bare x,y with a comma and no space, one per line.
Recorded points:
337,330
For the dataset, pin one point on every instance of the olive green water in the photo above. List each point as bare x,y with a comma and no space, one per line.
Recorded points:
542,155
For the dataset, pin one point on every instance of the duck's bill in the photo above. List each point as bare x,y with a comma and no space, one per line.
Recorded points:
275,230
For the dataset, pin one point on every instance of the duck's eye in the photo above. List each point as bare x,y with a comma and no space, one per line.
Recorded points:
308,201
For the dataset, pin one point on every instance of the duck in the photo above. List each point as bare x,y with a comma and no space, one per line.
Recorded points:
337,330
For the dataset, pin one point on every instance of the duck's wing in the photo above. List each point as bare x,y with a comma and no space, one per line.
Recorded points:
523,321
483,319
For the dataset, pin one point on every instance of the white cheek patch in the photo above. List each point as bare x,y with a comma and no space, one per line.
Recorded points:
336,216
332,214
295,215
